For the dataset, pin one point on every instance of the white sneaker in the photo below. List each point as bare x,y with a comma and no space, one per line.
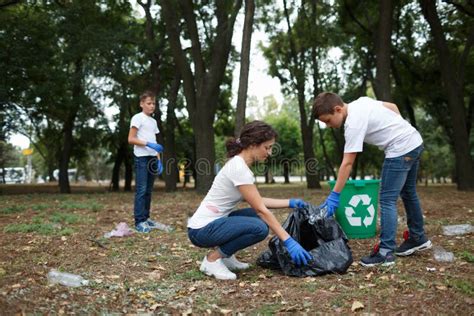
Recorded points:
233,264
217,269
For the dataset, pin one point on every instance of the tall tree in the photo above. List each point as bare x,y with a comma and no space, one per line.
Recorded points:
201,76
453,76
383,44
244,66
289,55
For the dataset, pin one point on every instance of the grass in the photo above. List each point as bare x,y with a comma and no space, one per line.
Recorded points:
47,225
191,275
13,209
40,207
466,255
40,228
463,286
90,205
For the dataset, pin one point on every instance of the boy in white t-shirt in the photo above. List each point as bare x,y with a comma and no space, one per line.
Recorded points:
379,123
217,222
142,135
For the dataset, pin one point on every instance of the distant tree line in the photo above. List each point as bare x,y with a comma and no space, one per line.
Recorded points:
63,63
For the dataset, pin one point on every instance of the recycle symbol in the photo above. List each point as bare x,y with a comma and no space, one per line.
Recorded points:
350,212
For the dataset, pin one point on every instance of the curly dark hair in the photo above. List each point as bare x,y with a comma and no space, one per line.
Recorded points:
253,133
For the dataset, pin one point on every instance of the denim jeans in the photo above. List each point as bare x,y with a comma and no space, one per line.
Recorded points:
242,228
144,179
399,177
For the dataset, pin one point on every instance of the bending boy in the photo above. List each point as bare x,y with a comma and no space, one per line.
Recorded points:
379,123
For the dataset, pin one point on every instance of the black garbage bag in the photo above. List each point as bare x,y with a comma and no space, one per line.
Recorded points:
321,236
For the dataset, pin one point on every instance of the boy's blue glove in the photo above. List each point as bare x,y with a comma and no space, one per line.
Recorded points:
332,203
155,146
297,253
297,203
159,166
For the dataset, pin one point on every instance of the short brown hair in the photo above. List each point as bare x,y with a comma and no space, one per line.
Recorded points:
147,94
325,103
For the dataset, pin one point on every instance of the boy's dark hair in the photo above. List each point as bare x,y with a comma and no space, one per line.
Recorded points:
253,133
147,94
325,103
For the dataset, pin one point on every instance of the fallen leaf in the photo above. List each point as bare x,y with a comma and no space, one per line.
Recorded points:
155,306
63,238
2,272
254,284
230,291
441,287
368,276
357,306
262,276
384,277
192,289
225,311
158,267
154,275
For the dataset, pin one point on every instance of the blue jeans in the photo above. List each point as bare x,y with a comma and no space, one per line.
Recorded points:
242,228
144,179
399,177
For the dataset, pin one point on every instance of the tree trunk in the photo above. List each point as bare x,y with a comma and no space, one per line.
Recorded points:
128,173
453,84
297,72
68,127
286,171
330,166
170,159
64,186
116,169
244,66
201,88
383,45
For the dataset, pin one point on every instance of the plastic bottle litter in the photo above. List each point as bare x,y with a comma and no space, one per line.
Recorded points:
452,230
66,279
442,255
317,213
163,227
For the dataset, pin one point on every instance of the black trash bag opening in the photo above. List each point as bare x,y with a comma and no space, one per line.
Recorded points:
322,237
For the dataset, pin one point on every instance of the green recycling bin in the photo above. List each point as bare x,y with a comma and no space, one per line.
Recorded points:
357,211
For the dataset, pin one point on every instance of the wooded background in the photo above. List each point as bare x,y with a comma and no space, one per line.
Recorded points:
63,63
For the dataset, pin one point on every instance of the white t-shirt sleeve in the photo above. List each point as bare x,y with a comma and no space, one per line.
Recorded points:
136,121
239,173
355,127
354,139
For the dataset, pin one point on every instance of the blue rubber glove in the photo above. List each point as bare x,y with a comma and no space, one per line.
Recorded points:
294,203
297,253
332,203
159,166
155,146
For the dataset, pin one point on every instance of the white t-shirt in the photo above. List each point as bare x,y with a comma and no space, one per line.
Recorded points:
224,194
147,130
369,121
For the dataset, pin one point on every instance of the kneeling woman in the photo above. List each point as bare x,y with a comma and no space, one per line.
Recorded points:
216,223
